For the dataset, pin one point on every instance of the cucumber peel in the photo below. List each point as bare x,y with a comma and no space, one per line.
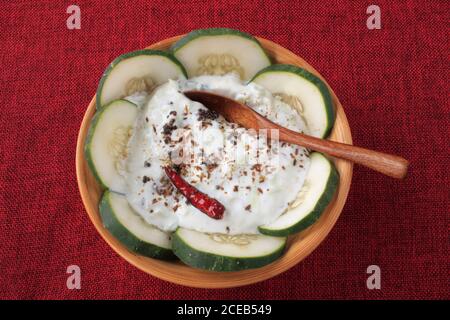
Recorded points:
313,93
131,230
320,185
114,117
219,51
226,253
156,64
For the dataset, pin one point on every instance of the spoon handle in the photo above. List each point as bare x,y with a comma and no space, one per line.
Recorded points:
388,164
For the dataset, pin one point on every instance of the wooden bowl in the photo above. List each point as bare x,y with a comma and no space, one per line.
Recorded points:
299,245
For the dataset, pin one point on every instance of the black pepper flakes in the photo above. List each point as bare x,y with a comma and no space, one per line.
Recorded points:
207,114
145,179
169,127
257,167
167,140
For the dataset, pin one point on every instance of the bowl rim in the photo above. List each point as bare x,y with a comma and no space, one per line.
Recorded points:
192,277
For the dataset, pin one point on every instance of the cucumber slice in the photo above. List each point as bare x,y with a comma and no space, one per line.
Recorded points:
137,71
321,183
131,230
106,143
219,51
220,252
296,83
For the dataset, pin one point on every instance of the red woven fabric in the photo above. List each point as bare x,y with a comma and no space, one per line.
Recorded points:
392,82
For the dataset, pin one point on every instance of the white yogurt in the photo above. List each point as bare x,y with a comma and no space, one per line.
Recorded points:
253,191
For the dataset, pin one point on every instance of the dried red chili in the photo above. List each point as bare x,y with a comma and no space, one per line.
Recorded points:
210,206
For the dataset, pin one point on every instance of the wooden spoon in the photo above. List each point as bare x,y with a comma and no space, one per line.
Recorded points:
233,111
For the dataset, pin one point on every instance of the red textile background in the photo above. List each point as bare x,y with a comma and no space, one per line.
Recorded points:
393,84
